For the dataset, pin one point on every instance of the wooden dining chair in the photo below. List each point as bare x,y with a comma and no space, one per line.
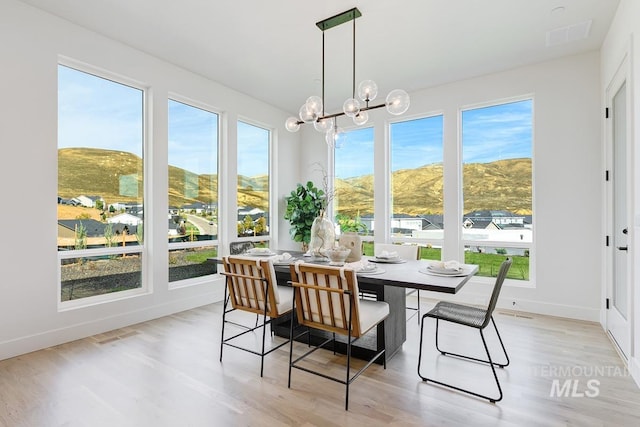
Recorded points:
407,252
252,287
326,298
473,317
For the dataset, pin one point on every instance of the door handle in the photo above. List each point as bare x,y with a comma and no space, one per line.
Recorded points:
623,248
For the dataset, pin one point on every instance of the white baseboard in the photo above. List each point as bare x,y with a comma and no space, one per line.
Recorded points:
49,338
524,306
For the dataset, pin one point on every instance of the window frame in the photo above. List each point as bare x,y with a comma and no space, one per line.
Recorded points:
530,246
213,243
389,201
141,249
266,239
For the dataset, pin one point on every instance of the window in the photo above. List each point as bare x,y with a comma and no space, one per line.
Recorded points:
253,181
417,198
353,183
497,193
100,185
193,190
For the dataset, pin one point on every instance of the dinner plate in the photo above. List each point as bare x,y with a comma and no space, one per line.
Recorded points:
260,253
444,270
443,273
376,270
388,260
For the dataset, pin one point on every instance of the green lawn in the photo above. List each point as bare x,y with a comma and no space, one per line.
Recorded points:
489,263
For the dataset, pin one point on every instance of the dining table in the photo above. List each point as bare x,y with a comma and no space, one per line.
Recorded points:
383,279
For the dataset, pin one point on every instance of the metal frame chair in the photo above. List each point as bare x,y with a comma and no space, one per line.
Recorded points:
326,298
404,252
252,287
237,248
473,317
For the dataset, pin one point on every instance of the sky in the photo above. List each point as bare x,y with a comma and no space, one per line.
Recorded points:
99,113
489,134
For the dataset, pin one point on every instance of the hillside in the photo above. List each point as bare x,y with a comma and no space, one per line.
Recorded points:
506,184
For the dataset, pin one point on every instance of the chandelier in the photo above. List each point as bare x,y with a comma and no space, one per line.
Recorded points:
312,111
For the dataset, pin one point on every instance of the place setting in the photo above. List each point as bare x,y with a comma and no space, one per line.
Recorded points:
284,258
364,267
388,257
444,268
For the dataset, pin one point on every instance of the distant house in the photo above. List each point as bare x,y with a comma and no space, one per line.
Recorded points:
406,224
67,228
197,207
254,213
89,201
502,219
125,218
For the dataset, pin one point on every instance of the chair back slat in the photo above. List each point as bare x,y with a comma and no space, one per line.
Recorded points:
326,297
502,274
248,282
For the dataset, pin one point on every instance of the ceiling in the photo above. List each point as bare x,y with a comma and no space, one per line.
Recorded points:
272,50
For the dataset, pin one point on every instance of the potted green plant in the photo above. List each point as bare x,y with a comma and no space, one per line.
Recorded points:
304,204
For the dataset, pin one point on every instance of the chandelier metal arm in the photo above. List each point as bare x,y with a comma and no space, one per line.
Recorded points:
341,113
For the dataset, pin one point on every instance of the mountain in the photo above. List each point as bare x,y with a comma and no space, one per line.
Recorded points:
500,185
504,184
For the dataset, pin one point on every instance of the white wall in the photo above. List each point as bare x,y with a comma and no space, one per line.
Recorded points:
567,177
623,38
31,44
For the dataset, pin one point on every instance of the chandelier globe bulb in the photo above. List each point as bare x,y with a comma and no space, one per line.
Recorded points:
306,115
292,124
361,118
314,104
322,125
351,107
367,90
397,102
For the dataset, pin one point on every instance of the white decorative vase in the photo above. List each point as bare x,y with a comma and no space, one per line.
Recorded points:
352,241
323,236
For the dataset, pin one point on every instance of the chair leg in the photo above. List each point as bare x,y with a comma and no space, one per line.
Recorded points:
501,344
418,296
291,339
489,362
493,370
224,315
264,335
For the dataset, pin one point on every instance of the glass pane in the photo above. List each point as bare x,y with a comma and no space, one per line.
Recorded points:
353,200
417,197
100,167
90,276
497,172
253,180
489,258
193,173
188,263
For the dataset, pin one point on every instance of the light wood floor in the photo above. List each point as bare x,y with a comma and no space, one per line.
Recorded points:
166,373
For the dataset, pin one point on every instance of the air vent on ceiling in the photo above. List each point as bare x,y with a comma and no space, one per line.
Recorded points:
570,33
